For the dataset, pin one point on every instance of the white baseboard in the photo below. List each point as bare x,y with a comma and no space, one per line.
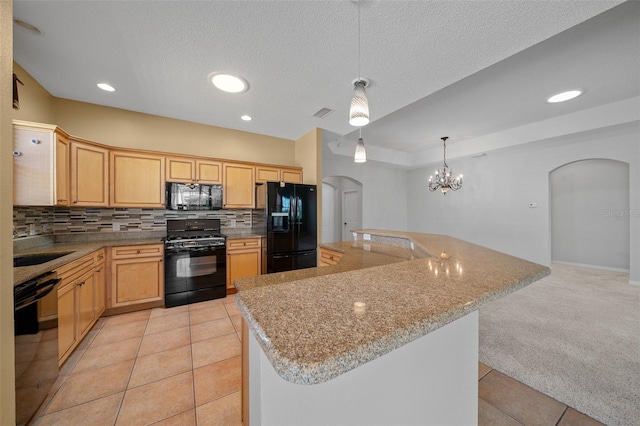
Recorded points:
605,268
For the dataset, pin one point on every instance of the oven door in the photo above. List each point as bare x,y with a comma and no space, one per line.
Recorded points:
194,275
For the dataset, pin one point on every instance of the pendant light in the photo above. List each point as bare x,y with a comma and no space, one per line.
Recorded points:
360,155
444,180
359,111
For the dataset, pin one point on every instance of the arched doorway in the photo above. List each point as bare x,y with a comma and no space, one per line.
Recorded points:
589,201
341,208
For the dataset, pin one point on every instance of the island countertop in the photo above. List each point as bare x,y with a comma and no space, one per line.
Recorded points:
318,323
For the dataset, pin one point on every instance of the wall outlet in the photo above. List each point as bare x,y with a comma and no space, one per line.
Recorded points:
366,237
32,229
116,226
232,223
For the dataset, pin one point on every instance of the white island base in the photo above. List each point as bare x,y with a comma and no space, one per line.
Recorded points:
430,381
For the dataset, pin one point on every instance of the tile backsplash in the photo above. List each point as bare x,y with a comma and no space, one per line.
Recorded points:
29,221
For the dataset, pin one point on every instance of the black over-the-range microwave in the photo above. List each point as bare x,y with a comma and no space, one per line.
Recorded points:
183,196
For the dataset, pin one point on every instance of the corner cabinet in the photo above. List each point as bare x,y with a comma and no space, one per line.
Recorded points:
239,186
137,275
40,165
136,179
89,175
243,260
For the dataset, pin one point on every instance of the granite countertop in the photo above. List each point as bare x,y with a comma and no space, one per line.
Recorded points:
310,328
77,246
236,233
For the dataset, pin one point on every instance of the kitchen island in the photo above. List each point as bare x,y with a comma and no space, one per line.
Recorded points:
388,335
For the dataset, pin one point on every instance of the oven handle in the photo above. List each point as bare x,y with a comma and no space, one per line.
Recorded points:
45,288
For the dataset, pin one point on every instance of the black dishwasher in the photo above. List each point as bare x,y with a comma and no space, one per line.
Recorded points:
36,351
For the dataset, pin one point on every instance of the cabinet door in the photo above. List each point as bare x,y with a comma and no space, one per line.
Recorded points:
136,180
62,170
243,259
180,169
291,175
239,186
136,281
267,174
66,320
209,172
84,295
33,162
89,175
99,296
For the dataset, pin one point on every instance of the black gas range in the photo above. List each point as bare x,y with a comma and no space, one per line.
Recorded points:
195,261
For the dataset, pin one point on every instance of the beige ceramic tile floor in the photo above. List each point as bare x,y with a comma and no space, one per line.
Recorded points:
181,366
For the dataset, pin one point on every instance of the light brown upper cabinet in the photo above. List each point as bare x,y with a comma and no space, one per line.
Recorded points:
278,174
40,165
267,174
239,186
185,170
89,175
136,179
291,175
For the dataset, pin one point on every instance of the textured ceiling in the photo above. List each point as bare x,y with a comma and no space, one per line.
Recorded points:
300,56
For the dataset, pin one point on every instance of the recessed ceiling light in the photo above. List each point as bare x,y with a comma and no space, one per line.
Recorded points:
564,96
229,83
246,118
106,87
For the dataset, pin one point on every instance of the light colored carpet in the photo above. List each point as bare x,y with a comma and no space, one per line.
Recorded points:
575,336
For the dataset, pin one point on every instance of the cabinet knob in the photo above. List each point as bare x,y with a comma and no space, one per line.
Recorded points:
138,251
75,201
244,244
98,270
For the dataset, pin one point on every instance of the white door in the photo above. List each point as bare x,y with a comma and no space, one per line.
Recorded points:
350,214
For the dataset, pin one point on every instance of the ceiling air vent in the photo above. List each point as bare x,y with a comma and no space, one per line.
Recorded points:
323,112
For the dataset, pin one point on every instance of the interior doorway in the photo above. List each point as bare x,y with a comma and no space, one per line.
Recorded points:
350,217
341,208
590,216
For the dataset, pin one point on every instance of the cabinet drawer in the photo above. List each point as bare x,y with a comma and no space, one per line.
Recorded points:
72,270
329,257
243,243
127,252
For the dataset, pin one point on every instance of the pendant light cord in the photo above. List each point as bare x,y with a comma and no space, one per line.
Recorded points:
359,77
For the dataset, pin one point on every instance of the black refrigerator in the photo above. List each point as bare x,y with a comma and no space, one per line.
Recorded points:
291,226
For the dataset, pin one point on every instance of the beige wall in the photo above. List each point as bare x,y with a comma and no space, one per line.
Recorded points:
117,127
7,393
122,128
308,155
36,104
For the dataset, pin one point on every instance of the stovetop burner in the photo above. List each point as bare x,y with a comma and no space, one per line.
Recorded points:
193,233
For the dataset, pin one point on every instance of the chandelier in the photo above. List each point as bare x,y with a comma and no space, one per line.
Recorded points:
444,180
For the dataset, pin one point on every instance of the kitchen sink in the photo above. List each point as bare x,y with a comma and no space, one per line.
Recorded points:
37,259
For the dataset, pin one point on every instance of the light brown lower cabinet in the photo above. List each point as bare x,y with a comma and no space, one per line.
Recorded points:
244,259
137,275
78,290
328,257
